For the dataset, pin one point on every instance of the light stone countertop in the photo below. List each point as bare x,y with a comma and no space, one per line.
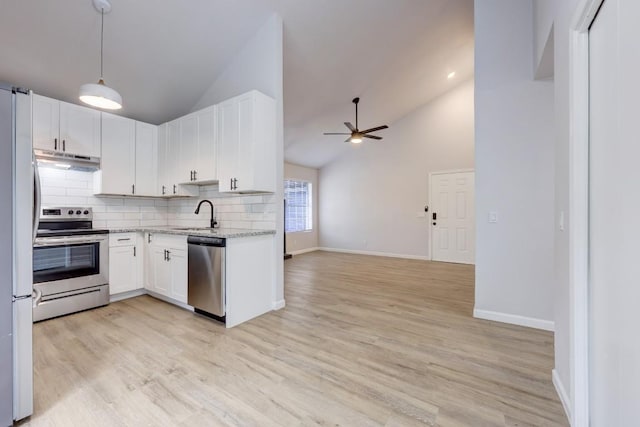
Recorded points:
227,233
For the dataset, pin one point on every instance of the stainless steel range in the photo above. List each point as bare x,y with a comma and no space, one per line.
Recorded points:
70,263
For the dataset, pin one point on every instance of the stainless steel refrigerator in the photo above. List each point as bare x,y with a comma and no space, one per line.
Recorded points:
16,245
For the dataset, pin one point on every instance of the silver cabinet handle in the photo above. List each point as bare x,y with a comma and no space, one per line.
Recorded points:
174,189
64,148
55,143
149,238
168,255
133,189
123,239
195,175
134,251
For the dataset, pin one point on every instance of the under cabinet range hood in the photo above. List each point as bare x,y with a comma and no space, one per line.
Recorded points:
58,160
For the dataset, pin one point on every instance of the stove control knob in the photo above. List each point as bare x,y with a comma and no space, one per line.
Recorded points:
86,212
70,212
78,212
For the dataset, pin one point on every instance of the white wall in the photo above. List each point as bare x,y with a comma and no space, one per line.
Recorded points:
304,240
514,169
372,198
74,188
259,65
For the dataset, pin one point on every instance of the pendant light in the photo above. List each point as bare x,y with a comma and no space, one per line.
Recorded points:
98,94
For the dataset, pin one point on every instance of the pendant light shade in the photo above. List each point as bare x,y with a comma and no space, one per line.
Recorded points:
101,96
98,94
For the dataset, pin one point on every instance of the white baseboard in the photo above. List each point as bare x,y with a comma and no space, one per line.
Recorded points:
127,295
304,251
384,254
562,394
277,305
530,322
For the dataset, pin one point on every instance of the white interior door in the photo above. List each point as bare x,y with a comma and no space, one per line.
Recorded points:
614,203
453,217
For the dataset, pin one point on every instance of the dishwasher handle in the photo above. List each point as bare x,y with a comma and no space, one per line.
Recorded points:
218,242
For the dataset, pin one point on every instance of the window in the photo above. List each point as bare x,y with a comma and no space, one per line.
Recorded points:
297,210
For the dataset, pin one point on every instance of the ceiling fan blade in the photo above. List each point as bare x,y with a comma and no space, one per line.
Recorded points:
333,133
348,139
350,126
375,129
372,137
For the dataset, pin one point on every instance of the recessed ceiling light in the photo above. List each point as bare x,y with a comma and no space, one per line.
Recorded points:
451,75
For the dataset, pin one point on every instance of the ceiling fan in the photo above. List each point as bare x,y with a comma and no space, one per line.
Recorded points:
356,134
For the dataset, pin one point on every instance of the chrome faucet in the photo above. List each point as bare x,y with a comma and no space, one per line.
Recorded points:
213,220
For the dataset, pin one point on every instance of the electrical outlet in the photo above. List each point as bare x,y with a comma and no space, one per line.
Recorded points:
493,217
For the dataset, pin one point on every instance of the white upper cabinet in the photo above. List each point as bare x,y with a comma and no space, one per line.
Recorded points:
67,128
79,130
146,159
46,123
188,147
118,162
247,144
175,175
206,164
129,158
163,178
198,147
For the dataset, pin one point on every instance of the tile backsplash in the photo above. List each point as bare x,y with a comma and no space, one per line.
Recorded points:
75,188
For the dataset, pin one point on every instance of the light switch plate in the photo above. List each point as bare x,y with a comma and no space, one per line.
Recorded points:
493,217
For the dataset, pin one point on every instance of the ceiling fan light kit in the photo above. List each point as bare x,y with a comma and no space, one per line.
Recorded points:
98,94
356,135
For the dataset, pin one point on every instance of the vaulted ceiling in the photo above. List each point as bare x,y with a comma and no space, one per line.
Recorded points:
161,55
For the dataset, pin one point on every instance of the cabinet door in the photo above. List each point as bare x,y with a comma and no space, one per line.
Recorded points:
148,262
118,154
79,130
163,162
245,157
179,275
146,159
161,271
188,148
173,155
207,145
46,123
122,269
227,144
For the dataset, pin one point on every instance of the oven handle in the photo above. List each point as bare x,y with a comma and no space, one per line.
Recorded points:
37,296
47,241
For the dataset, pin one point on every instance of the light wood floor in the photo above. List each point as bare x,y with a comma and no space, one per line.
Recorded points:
363,341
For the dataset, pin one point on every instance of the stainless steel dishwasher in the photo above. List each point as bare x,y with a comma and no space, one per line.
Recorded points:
206,291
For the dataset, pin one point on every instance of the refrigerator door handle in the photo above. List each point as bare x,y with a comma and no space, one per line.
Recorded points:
37,197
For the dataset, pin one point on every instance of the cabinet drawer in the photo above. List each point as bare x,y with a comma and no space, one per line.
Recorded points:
122,239
171,241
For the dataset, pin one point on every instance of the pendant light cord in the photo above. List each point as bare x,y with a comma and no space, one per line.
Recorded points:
101,44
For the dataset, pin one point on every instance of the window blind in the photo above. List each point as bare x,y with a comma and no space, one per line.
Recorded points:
298,206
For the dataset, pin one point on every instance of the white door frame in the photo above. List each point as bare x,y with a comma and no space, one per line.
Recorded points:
431,202
579,209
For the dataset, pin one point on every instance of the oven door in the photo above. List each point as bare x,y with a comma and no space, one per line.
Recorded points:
62,264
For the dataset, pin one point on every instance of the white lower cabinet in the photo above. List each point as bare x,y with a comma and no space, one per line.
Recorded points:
249,273
125,266
166,265
250,278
